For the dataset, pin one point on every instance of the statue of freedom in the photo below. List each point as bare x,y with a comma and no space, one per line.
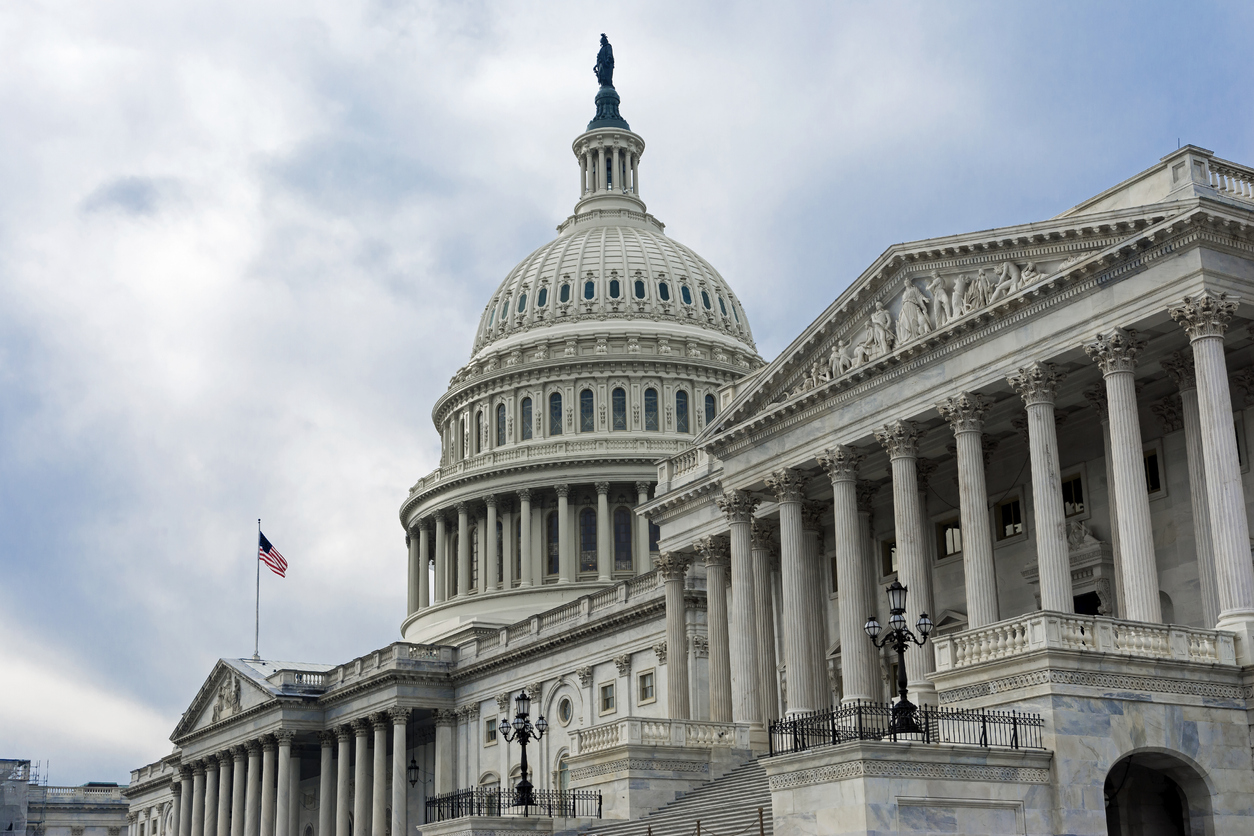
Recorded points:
605,63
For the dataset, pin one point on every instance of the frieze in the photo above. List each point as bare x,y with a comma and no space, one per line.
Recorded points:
909,769
1122,682
645,764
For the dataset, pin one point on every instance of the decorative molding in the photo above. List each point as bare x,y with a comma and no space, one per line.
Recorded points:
672,565
585,675
737,506
909,769
714,550
1117,350
1206,315
787,484
645,764
1122,682
1179,367
623,663
841,463
659,650
964,412
900,438
1170,411
1037,383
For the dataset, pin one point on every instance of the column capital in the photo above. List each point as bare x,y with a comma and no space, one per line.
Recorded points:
737,506
399,715
1179,367
282,736
585,675
253,747
533,691
380,720
659,650
463,510
472,711
760,534
199,768
866,494
240,752
361,726
176,789
900,438
787,484
1206,315
562,490
185,772
812,514
602,488
1037,383
673,565
988,446
225,758
713,550
328,738
1170,411
446,718
424,524
344,732
1116,351
503,700
524,495
490,500
623,663
841,463
643,487
964,412
440,515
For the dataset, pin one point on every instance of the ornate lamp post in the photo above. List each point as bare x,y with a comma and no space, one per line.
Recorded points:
899,638
523,732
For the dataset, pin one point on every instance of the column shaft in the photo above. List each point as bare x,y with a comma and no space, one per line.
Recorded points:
524,557
400,789
841,464
746,680
798,671
642,530
565,560
411,588
224,794
186,792
379,779
198,801
674,567
764,616
212,783
715,554
817,640
239,785
463,550
445,754
424,565
343,767
605,560
441,565
361,777
252,791
488,547
326,785
283,804
268,750
507,548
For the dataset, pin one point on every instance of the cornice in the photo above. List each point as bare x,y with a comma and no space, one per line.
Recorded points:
691,496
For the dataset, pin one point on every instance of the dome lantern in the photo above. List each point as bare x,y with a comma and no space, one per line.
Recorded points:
608,152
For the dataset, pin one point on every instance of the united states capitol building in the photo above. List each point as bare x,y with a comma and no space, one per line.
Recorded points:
671,546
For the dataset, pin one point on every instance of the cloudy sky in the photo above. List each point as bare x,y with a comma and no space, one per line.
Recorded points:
244,245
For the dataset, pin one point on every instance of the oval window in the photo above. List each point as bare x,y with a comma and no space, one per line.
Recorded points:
492,315
614,288
735,314
705,300
589,290
564,294
685,294
565,710
722,306
639,289
542,297
522,303
663,292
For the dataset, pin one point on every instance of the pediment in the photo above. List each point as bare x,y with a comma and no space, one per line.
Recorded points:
231,689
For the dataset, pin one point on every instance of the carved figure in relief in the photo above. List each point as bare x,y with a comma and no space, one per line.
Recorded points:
818,374
862,352
1079,536
881,330
1030,275
1008,282
977,293
839,361
958,303
913,321
940,300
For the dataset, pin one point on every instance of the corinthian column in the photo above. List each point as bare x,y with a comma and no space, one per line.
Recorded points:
252,800
445,751
343,775
787,484
565,561
411,587
1205,318
764,618
901,440
857,664
424,563
524,547
239,784
198,799
361,777
1115,354
1037,384
211,796
965,414
326,784
282,816
463,550
1097,399
605,560
268,749
488,582
714,552
673,566
176,809
441,561
379,776
224,793
812,514
642,530
737,507
400,797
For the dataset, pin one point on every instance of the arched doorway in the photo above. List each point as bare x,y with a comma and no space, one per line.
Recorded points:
1156,794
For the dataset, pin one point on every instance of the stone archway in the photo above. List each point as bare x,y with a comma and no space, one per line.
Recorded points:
1156,793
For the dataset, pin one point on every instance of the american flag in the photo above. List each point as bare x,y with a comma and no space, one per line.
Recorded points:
268,555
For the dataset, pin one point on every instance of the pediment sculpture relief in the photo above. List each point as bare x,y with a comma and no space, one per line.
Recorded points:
227,703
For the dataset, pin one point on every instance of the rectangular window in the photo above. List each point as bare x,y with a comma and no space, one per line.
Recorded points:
607,698
949,537
650,410
888,557
622,540
835,588
555,414
1153,474
489,732
588,540
1009,518
587,412
1073,496
526,418
645,688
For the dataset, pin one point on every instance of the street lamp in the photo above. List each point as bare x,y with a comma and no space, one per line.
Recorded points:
899,638
523,731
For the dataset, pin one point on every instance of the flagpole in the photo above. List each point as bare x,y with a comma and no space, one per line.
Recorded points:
257,620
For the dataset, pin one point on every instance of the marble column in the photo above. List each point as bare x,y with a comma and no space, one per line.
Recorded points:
176,808
445,751
965,414
186,793
379,776
713,551
524,557
506,512
361,776
268,750
602,185
198,799
1038,384
866,492
293,772
856,659
1116,353
441,560
252,790
400,789
738,507
673,567
901,440
643,557
211,796
283,805
1205,319
411,586
424,563
224,793
1097,399
343,776
239,775
488,547
787,485
615,180
326,784
764,622
1179,368
565,560
583,174
605,559
463,550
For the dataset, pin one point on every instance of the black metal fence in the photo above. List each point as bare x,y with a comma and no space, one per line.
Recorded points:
496,801
872,721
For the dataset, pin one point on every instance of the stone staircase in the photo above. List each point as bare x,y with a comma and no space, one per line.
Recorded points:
726,806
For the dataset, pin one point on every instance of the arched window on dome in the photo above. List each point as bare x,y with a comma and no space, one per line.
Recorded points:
639,288
618,403
522,303
622,539
504,310
525,421
500,424
563,295
587,540
709,409
650,410
550,545
542,297
734,313
685,294
589,289
492,315
705,300
587,412
681,411
478,432
722,306
663,291
555,413
614,288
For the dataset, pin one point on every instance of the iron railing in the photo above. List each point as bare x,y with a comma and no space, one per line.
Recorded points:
496,801
872,721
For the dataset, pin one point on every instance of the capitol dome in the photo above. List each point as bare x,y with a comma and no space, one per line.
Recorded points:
603,352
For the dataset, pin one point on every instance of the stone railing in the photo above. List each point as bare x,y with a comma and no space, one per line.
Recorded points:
84,795
1083,634
1231,179
693,734
685,466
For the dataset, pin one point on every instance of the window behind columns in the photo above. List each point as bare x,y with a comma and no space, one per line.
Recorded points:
622,539
618,402
551,543
474,555
587,412
949,537
555,413
587,540
518,548
453,542
500,424
478,432
500,551
681,411
709,409
655,533
650,410
1009,516
526,419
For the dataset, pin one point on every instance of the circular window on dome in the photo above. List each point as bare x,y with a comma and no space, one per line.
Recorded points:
705,300
565,711
685,294
614,288
589,289
663,291
522,303
542,297
563,295
639,289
